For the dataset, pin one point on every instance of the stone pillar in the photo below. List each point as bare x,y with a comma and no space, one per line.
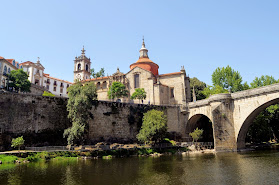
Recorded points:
222,106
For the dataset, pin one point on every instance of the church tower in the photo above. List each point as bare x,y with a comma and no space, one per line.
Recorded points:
82,67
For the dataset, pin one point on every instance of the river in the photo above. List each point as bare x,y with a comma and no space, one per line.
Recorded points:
257,167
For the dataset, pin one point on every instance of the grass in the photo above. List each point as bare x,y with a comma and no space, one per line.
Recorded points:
8,158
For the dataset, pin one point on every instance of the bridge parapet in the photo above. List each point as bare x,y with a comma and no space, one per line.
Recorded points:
212,98
255,92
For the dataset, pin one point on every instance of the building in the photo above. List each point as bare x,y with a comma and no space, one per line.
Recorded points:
169,89
37,77
6,66
39,80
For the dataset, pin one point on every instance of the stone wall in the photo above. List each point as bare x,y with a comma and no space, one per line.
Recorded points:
42,120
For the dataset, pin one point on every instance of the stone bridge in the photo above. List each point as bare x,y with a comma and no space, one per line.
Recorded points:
231,114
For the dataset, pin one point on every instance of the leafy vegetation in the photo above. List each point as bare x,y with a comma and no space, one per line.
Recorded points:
48,94
154,127
199,86
8,158
19,80
139,94
17,142
196,134
117,90
100,73
81,98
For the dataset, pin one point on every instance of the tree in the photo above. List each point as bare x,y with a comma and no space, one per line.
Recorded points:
19,80
117,90
199,86
196,134
139,94
154,127
263,81
17,142
227,78
210,90
81,99
94,74
48,94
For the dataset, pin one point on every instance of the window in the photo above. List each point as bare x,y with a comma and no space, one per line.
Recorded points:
9,70
48,82
104,85
14,62
47,87
98,85
5,69
136,81
17,65
61,90
54,88
172,92
61,85
87,68
79,67
67,85
37,82
21,67
54,83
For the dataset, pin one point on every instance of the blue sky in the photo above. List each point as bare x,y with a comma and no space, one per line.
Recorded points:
201,35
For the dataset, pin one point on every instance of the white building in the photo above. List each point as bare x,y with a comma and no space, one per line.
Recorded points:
39,80
37,76
6,66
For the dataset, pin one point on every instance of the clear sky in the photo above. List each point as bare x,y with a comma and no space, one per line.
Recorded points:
199,34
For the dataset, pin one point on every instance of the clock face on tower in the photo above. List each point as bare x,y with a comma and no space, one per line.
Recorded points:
78,77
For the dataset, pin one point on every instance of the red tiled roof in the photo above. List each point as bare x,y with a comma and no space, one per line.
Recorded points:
27,62
2,57
47,75
170,74
93,79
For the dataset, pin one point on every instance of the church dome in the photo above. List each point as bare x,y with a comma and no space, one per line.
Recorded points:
144,62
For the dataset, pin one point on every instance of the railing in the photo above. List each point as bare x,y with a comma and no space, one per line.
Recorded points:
47,148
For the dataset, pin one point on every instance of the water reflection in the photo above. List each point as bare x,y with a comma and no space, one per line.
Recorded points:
221,168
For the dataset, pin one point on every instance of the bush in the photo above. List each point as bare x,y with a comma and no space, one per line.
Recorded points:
8,158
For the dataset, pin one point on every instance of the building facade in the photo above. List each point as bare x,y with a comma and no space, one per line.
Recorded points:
6,66
39,80
161,89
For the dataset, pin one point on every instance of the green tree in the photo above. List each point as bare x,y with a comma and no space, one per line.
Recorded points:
263,81
139,94
199,87
210,90
81,99
227,78
196,134
100,73
17,142
154,127
48,94
19,80
117,90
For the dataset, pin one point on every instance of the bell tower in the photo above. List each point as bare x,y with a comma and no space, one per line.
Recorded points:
82,67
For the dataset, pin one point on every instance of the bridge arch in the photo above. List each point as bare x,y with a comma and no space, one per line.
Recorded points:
249,120
200,121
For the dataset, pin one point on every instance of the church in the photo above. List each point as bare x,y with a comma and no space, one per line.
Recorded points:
161,89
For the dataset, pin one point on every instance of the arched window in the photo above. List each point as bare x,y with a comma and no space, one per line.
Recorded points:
9,70
79,67
17,65
98,85
104,85
5,69
14,62
87,68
